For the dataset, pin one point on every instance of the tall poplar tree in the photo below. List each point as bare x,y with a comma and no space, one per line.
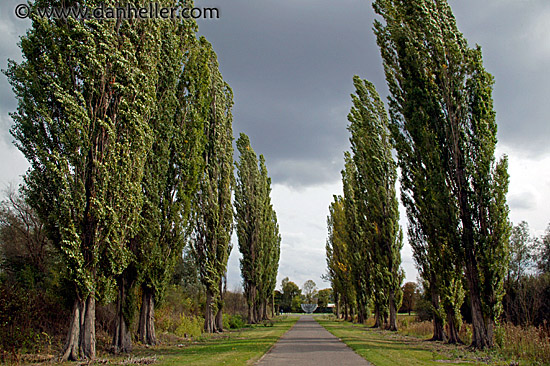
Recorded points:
360,262
171,177
248,213
86,90
270,244
214,211
375,195
338,256
442,114
257,230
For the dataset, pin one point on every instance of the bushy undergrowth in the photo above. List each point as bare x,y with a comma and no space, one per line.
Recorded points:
189,326
233,321
179,314
526,343
29,322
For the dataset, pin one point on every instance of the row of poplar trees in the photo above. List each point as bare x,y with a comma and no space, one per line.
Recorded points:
443,129
365,240
127,127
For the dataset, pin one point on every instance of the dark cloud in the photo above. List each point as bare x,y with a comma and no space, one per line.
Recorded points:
290,64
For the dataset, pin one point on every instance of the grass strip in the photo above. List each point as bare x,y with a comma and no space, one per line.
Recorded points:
384,348
236,347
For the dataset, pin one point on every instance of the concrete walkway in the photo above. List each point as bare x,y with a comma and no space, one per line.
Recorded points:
308,343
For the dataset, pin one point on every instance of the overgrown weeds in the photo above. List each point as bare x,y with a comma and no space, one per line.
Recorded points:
524,343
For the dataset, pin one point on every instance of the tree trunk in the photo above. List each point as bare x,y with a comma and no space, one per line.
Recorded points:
146,328
219,321
251,301
122,339
439,331
360,316
361,312
266,305
258,312
377,317
452,329
337,304
88,334
393,312
81,335
482,327
482,333
72,346
219,314
251,314
345,311
209,325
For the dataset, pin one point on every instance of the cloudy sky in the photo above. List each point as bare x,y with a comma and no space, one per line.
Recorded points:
290,64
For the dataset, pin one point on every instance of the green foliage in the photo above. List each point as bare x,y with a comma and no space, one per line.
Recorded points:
179,309
521,247
410,297
324,297
290,290
86,93
296,304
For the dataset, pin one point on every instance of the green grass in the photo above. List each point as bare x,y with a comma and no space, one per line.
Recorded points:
239,347
388,348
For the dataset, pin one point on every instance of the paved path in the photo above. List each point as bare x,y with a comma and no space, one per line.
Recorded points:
308,343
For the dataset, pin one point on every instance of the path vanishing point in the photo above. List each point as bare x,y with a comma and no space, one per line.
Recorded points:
308,343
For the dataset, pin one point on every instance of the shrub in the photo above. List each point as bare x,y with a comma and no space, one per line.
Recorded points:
175,305
233,321
165,319
189,326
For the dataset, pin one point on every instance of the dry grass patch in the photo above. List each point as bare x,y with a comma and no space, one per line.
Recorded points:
524,343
